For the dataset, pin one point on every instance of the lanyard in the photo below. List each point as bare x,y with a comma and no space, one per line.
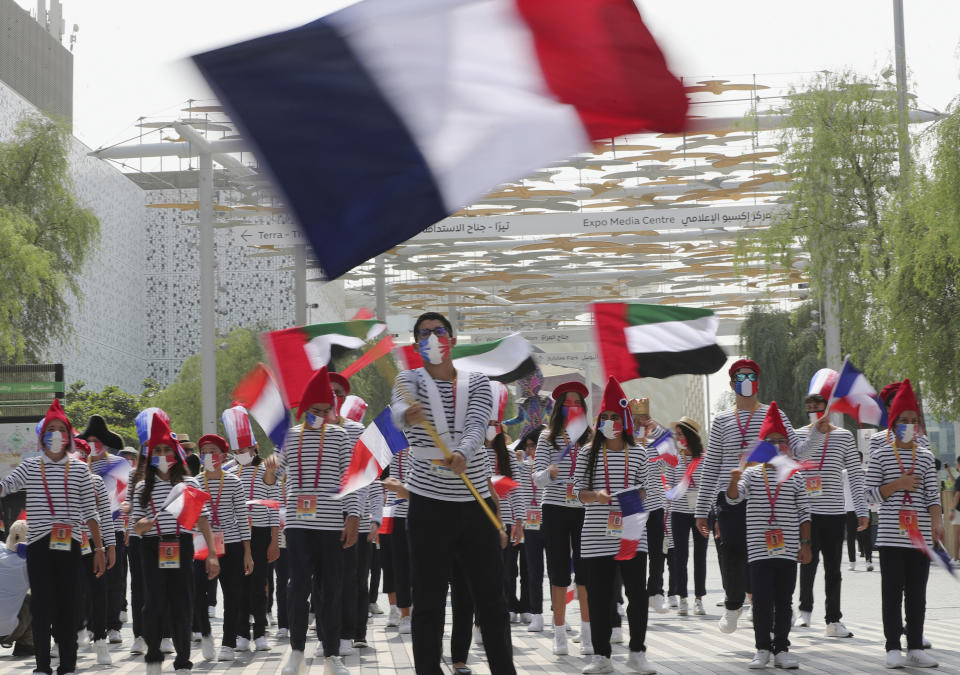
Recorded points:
744,428
216,504
156,520
823,454
771,497
316,474
400,464
66,492
626,467
533,486
907,499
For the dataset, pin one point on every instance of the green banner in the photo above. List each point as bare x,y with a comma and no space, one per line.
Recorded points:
30,387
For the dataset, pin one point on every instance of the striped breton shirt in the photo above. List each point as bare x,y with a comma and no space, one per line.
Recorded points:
315,473
400,469
555,491
102,499
688,502
511,508
732,433
658,468
824,482
883,468
166,522
530,496
372,505
258,515
594,540
790,509
429,478
228,506
71,494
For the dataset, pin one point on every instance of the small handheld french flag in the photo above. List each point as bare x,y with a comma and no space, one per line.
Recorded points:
378,443
259,392
503,485
767,453
574,425
681,488
185,503
666,449
634,522
855,396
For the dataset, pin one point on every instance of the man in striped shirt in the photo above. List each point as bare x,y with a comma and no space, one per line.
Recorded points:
444,521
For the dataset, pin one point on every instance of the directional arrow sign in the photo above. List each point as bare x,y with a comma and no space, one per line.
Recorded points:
280,235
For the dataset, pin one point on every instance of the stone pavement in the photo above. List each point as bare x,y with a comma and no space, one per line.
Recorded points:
675,644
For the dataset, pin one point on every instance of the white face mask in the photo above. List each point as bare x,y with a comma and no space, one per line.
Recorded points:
744,388
313,421
491,433
906,432
163,464
244,458
607,429
209,464
54,441
813,417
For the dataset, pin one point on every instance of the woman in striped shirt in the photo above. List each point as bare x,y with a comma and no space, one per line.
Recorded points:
685,479
531,498
903,479
614,464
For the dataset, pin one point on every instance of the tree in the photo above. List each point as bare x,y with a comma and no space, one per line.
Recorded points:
118,408
45,237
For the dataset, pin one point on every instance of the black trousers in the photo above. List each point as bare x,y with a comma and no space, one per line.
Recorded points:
353,613
773,582
281,568
373,590
386,563
855,538
136,586
733,550
826,538
903,583
655,554
439,533
461,609
93,605
600,595
512,555
254,596
116,578
561,527
231,580
54,602
684,526
168,598
315,553
533,551
400,550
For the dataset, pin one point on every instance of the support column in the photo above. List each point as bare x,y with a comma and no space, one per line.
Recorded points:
208,289
300,284
901,63
380,287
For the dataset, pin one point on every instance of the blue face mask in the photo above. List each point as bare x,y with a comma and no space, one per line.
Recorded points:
54,441
745,388
313,421
906,432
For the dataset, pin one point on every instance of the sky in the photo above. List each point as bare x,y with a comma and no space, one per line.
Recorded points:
130,57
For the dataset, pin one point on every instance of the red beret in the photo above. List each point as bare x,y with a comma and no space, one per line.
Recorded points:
215,439
743,363
572,386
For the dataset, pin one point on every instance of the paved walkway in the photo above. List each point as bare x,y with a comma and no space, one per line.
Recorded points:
676,644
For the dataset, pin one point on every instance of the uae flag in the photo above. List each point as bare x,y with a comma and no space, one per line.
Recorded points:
505,360
296,353
636,340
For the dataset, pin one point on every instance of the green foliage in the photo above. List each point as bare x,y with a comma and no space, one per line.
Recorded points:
789,348
118,408
45,237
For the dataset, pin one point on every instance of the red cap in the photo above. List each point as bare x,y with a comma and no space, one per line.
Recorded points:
743,363
888,392
160,435
55,412
318,390
566,387
337,378
902,402
773,422
217,440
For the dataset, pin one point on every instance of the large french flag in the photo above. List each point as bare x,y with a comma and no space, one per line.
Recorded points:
378,443
855,396
381,119
260,394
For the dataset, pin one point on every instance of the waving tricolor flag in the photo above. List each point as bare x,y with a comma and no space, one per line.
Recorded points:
634,522
503,485
505,360
115,472
855,396
430,104
353,408
768,453
666,448
683,485
939,557
259,393
574,425
185,503
378,443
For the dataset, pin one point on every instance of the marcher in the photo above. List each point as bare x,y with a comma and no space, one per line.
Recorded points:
687,433
531,498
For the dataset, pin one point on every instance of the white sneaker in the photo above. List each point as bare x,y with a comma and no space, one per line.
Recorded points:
333,665
869,566
283,633
154,668
477,636
786,660
728,622
405,625
560,641
374,608
684,608
526,617
195,637
83,638
207,650
139,646
346,648
853,565
211,611
760,660
895,659
698,607
656,603
123,617
637,662
917,658
261,644
616,635
672,601
294,663
393,618
103,653
599,664
586,644
166,646
243,644
804,619
114,637
536,623
226,654
837,629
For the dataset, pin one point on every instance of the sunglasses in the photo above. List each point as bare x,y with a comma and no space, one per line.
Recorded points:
439,331
740,377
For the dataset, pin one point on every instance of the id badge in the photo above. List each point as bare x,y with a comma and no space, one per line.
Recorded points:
60,537
814,486
908,521
218,543
775,544
168,555
438,468
615,524
307,507
571,497
534,517
85,544
692,495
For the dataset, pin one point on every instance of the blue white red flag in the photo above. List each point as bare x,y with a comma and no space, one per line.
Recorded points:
259,393
634,522
855,396
378,443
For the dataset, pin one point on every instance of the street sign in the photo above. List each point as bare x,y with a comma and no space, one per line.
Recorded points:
556,337
568,359
281,235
